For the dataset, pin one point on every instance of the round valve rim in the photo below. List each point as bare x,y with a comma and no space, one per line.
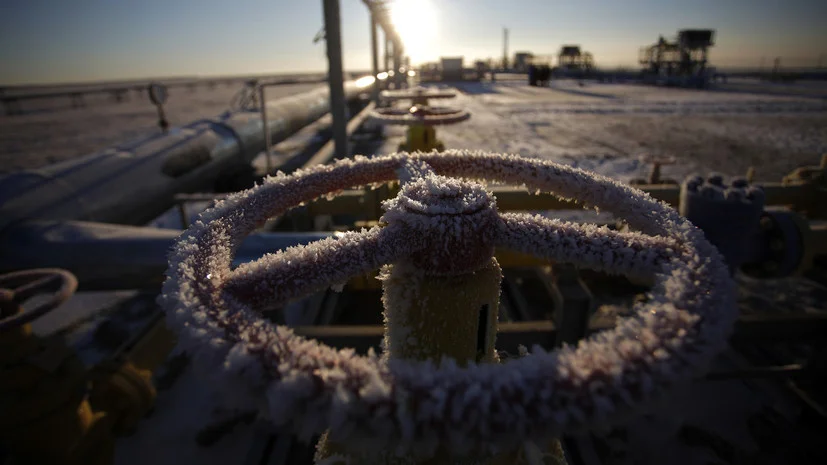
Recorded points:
416,93
61,283
420,115
367,401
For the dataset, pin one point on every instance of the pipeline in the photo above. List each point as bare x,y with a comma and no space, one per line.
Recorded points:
110,256
134,183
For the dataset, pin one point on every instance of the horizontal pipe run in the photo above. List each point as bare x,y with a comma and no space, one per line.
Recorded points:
510,335
110,89
132,184
106,256
781,371
109,257
328,150
514,198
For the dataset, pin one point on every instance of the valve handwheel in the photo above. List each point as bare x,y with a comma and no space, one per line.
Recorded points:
419,95
420,115
20,286
448,225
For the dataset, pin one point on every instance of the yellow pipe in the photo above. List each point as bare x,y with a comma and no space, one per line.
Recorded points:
430,318
46,417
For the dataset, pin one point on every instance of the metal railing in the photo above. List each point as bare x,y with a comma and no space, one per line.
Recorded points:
13,101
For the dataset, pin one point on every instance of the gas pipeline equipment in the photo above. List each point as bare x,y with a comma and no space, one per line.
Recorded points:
439,392
55,410
158,97
420,117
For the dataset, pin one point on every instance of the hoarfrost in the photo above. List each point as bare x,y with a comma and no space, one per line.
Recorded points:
375,403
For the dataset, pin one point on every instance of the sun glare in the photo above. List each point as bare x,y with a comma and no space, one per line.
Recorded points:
416,23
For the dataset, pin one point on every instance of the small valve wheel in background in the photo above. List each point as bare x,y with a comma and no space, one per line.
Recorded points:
420,119
417,95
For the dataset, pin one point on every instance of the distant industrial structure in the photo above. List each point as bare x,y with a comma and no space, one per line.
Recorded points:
572,60
681,62
522,60
452,68
539,68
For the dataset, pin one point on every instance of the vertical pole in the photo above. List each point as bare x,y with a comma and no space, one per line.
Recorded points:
397,63
266,128
332,26
505,49
388,47
374,46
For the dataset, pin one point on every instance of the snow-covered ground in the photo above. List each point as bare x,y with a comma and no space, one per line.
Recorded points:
607,127
601,127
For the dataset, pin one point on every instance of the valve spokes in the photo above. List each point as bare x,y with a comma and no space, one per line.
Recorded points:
277,278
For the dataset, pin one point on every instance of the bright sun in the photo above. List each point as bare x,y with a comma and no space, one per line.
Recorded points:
415,21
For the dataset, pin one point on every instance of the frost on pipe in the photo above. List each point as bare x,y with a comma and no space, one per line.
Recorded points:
368,402
419,115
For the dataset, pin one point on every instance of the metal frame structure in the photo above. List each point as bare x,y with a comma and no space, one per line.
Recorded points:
571,59
333,39
13,101
679,61
394,47
379,15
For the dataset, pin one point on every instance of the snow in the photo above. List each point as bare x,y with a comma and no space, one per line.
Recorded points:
606,127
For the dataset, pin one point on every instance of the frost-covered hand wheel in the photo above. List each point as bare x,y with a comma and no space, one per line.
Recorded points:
18,287
419,115
447,226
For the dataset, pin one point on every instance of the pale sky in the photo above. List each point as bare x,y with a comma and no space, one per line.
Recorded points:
51,41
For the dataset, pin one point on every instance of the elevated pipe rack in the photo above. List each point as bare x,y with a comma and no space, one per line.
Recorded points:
134,183
13,99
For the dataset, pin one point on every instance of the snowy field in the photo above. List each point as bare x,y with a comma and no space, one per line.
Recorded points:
601,127
607,127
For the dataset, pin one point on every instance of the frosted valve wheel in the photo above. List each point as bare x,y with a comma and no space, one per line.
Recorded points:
447,225
419,115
